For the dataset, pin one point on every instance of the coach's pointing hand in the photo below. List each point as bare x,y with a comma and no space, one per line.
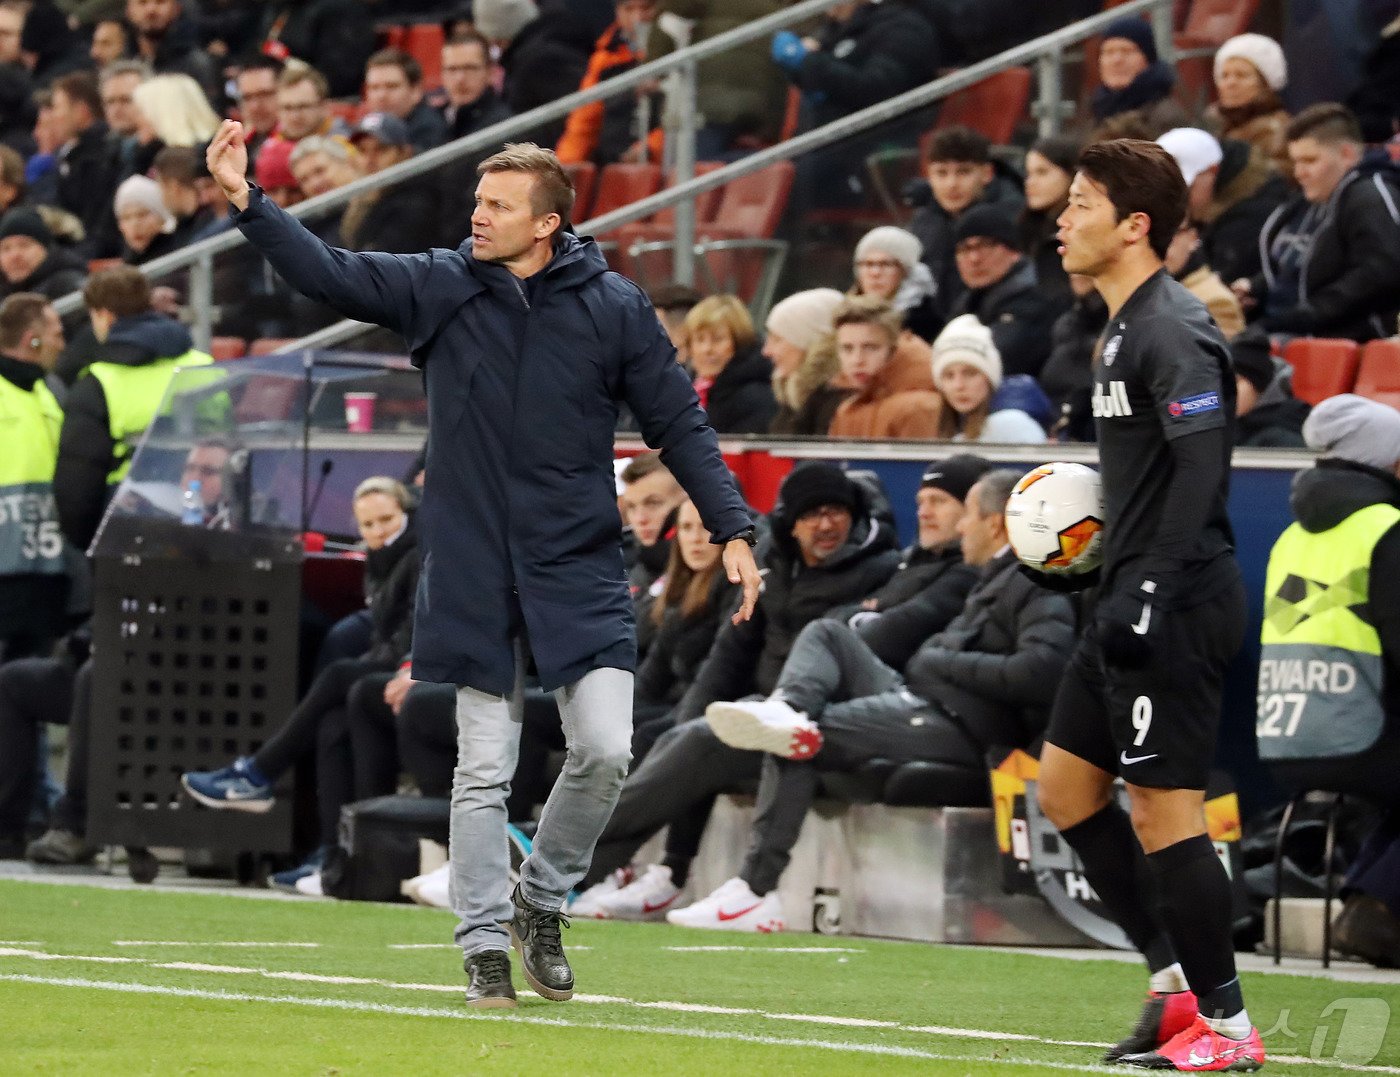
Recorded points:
227,159
739,566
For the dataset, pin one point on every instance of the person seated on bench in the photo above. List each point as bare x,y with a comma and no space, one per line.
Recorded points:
986,680
677,789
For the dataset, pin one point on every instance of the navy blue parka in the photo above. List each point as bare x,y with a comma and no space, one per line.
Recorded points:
519,525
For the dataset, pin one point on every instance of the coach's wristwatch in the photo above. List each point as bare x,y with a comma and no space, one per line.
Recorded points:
749,535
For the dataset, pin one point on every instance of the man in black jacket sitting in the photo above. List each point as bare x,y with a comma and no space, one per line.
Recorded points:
986,680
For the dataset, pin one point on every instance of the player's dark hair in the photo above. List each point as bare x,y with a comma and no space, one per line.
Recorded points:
960,144
1327,122
20,315
411,68
642,465
122,290
1140,177
469,36
80,87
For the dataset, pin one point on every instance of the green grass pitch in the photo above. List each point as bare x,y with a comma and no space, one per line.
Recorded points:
109,982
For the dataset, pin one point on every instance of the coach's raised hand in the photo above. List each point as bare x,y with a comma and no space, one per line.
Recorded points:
227,159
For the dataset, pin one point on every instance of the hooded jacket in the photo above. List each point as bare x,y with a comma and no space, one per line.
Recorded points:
1350,283
898,402
748,657
1276,420
741,399
1019,316
57,275
86,449
997,666
519,525
1321,498
1247,190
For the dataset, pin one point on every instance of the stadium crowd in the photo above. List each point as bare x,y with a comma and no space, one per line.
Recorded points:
952,321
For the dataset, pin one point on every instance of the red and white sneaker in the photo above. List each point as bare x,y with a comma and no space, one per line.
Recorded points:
733,907
1162,1017
1200,1049
646,897
586,905
765,725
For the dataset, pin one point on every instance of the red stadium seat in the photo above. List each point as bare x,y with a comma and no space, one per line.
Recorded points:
423,41
222,348
622,184
1213,22
1378,376
585,177
993,106
1322,367
268,345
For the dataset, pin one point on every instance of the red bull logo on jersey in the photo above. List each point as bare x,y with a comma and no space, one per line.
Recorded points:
1110,401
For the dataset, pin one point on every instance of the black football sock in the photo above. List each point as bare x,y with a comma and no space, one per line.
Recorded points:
1107,845
680,868
1197,909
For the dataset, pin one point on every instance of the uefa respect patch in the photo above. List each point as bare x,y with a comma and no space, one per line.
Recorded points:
1194,405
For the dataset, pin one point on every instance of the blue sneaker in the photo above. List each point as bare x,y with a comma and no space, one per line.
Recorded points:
241,787
286,881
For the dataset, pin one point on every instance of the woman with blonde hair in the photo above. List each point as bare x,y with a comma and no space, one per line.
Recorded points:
173,110
807,383
967,371
731,375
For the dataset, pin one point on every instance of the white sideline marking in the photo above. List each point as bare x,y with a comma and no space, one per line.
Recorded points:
888,1050
21,942
670,1007
249,945
761,949
426,946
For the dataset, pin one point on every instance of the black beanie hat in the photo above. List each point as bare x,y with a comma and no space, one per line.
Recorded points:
812,485
1136,30
990,221
955,475
1254,361
25,222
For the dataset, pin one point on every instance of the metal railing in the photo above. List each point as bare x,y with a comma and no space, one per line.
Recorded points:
1046,53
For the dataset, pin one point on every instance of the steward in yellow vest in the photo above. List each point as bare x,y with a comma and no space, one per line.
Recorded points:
33,571
117,396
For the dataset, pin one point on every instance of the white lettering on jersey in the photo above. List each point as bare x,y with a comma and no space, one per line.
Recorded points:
1111,400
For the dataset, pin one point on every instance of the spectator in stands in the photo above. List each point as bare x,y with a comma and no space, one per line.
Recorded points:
394,84
256,94
605,131
739,93
1376,97
1068,375
11,27
1332,252
301,104
171,111
1001,289
12,188
117,86
1233,188
889,368
961,175
168,43
319,723
1267,414
1050,166
403,218
273,172
887,267
544,54
472,102
176,170
19,113
732,377
30,261
650,497
334,36
829,551
33,572
323,164
986,681
145,224
862,54
48,46
672,302
807,380
1134,96
112,40
85,165
1250,73
967,372
1186,262
113,401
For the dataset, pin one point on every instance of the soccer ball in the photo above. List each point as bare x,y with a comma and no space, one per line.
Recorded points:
1054,519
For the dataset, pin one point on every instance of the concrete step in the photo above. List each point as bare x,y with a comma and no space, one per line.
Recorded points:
1300,927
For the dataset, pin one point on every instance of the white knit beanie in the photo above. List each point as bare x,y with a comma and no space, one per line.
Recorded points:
904,247
967,340
144,192
501,20
1263,52
803,317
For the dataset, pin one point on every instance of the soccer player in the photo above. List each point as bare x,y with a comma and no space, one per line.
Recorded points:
1141,698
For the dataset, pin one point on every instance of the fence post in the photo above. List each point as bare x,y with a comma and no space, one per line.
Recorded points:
1049,74
1164,32
201,304
683,262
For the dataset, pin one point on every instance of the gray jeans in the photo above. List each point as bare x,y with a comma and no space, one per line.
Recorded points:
597,717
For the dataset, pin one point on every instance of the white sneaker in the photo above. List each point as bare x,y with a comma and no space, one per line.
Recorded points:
430,889
765,725
310,885
646,898
586,905
733,907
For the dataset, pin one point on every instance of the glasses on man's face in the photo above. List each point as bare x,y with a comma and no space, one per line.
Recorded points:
877,265
824,514
465,69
